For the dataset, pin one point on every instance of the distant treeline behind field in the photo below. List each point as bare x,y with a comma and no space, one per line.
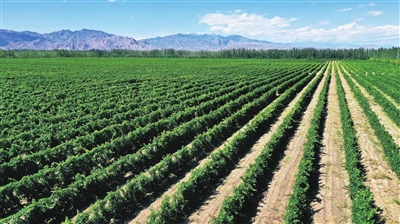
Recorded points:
391,55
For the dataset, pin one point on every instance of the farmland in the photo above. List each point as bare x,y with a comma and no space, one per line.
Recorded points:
127,140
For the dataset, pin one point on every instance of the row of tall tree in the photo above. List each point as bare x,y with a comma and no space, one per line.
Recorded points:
295,53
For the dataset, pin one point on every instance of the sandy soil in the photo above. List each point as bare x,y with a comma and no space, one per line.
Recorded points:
272,207
384,183
389,125
212,206
142,216
333,205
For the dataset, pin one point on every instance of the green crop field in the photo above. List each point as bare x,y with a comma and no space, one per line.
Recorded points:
126,140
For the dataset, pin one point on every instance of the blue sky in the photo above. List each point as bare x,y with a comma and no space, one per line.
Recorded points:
356,22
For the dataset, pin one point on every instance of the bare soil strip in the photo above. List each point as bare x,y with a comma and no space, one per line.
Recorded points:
333,205
143,215
272,206
384,184
389,125
212,206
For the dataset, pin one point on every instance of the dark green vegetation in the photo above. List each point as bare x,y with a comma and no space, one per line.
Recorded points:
116,133
391,149
362,208
299,204
390,55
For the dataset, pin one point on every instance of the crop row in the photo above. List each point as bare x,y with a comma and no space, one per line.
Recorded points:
52,178
175,209
388,107
390,148
244,196
83,125
154,122
380,75
362,207
44,139
72,172
298,209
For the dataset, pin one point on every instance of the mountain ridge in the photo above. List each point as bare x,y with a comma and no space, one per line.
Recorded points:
87,39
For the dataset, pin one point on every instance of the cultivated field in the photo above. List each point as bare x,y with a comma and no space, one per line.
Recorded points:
199,141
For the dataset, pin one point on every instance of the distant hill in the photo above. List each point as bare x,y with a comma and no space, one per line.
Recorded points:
196,42
67,40
93,39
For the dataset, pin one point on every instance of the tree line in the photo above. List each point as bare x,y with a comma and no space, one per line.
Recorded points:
381,54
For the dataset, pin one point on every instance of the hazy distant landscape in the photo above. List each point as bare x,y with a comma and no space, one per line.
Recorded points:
92,39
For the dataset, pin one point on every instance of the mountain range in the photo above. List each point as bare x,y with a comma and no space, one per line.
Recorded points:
86,39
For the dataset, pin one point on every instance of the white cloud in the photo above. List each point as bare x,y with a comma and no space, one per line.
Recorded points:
375,13
277,29
324,22
345,9
237,10
247,24
351,32
111,0
368,5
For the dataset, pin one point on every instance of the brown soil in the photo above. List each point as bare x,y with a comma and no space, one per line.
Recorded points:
272,207
389,125
333,205
212,206
383,182
143,215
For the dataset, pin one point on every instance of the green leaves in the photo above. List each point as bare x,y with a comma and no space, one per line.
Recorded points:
362,199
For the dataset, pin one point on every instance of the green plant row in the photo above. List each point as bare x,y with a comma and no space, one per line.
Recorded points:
37,96
380,99
34,140
234,207
175,209
382,83
390,148
362,207
148,126
298,209
135,191
70,194
382,76
63,174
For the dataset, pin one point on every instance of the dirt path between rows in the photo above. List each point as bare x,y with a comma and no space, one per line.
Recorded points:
143,215
389,125
333,205
272,207
212,206
384,184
